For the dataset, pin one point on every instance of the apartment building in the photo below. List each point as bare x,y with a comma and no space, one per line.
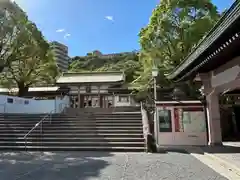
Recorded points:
61,55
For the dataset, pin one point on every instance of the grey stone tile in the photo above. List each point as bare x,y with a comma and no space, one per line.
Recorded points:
103,166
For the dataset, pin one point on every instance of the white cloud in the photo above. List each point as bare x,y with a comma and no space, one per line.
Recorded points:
67,35
60,30
110,18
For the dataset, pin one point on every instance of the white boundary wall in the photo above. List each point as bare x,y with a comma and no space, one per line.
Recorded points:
12,104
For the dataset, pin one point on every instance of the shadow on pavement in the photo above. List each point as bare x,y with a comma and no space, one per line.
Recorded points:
225,149
48,165
175,150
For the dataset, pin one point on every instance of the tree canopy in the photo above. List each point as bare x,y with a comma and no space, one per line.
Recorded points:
29,60
174,29
9,29
176,26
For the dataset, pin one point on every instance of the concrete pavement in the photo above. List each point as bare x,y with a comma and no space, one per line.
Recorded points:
227,155
103,166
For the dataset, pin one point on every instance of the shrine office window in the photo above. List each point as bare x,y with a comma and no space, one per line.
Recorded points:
165,120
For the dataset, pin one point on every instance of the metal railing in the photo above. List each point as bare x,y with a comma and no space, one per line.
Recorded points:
40,123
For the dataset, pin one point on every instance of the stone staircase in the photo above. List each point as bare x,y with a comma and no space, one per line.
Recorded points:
90,131
75,111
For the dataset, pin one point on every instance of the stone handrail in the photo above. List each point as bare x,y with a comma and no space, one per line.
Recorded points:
146,127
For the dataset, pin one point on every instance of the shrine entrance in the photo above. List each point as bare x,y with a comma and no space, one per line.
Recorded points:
230,113
91,89
94,101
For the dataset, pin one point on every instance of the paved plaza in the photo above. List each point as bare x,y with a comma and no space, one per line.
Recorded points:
103,166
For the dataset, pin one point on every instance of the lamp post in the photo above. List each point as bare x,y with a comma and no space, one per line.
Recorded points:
154,75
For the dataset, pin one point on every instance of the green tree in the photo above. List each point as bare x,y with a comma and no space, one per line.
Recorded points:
31,62
175,28
143,76
9,29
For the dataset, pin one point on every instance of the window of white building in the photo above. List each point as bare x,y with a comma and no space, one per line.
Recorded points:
122,98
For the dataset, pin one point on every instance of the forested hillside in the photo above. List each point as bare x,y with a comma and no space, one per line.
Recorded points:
127,62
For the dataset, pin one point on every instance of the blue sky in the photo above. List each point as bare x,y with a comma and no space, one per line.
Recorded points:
109,26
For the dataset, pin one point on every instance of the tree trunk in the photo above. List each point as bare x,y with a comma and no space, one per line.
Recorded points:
22,89
1,68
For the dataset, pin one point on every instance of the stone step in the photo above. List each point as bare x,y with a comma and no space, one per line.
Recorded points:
72,118
18,122
4,131
75,125
110,109
74,139
73,135
70,128
117,115
72,122
104,112
25,115
21,118
72,114
65,123
98,131
102,143
73,148
100,117
75,118
93,117
80,116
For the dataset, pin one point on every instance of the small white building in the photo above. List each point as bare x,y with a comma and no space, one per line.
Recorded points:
180,123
